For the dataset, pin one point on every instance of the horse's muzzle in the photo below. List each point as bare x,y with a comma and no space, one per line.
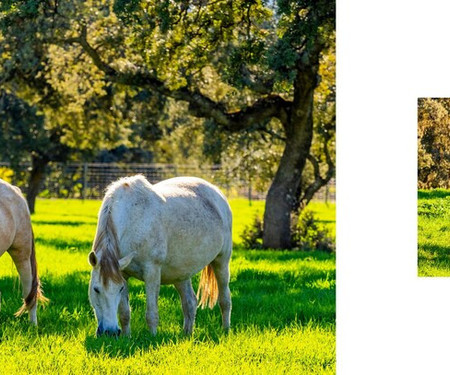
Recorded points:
108,332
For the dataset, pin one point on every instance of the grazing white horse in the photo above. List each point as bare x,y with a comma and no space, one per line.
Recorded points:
16,237
160,234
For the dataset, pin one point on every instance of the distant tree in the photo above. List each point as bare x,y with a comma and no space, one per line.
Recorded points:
24,136
433,142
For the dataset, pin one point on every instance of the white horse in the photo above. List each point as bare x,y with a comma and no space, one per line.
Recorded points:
160,234
16,237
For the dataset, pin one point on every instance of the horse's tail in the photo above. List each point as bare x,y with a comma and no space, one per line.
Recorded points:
207,289
36,291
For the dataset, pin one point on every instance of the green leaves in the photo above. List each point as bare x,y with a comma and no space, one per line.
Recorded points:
22,8
125,10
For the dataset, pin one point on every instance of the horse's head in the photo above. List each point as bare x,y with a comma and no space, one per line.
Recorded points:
105,291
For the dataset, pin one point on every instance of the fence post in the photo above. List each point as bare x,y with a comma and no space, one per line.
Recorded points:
84,180
250,192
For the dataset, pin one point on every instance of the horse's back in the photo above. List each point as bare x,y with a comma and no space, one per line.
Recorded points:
177,199
15,225
195,193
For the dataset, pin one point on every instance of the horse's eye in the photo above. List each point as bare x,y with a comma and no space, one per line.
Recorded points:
96,290
121,290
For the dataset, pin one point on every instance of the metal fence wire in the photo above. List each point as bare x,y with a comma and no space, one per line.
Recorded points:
89,180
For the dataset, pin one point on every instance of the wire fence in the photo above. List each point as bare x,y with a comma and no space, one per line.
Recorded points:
89,180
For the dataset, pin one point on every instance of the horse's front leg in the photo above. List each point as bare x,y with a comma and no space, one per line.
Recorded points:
124,311
152,280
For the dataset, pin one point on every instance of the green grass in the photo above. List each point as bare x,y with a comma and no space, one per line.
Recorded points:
283,318
434,232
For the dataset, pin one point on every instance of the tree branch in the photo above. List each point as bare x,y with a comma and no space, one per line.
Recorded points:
319,181
82,40
199,104
273,134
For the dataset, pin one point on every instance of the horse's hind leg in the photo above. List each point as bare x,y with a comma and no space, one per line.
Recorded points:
189,304
221,266
22,261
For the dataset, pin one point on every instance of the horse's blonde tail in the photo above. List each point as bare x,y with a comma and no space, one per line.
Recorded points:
207,289
36,291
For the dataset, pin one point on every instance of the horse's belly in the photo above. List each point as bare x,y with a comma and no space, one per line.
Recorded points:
7,233
169,275
185,261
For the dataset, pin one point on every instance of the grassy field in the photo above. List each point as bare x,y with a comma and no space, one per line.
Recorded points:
434,233
283,318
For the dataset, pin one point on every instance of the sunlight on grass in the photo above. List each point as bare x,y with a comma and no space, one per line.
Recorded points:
283,318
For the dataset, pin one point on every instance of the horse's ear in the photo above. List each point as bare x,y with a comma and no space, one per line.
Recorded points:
92,258
125,261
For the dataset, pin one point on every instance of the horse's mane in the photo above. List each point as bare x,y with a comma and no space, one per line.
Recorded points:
106,241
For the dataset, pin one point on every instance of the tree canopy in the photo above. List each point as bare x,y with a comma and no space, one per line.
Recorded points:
259,74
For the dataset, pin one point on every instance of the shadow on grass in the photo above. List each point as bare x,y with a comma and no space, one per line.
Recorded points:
276,256
268,299
433,194
84,215
261,300
124,347
68,298
62,222
439,255
71,244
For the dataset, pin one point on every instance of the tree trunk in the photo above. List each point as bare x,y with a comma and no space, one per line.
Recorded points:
37,175
282,193
299,131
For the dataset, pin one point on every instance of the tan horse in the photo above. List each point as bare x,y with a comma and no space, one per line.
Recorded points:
16,237
160,234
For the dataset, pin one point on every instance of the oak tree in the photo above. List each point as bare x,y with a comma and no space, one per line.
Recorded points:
246,66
